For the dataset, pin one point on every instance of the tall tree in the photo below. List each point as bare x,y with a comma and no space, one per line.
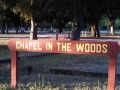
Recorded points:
70,10
112,11
27,9
30,10
2,17
77,19
58,10
15,20
7,6
93,11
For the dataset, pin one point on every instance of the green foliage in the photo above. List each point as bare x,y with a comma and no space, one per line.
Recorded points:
23,9
117,23
5,87
8,4
26,8
93,10
68,25
41,86
104,22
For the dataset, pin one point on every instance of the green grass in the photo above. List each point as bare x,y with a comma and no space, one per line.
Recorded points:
41,73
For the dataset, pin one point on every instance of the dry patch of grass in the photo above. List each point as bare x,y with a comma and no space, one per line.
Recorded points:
4,41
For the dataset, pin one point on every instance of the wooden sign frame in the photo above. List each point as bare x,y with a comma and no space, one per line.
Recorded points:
108,48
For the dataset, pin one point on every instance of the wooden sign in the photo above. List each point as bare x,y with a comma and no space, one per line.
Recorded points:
109,48
71,47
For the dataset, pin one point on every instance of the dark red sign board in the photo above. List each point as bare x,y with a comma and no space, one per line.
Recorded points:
71,47
110,48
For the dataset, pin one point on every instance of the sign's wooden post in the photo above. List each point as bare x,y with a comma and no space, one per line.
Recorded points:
14,69
57,34
112,73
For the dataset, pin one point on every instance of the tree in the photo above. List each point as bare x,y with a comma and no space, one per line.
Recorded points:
2,13
93,11
30,10
26,9
65,11
104,23
10,18
58,10
15,20
77,19
112,11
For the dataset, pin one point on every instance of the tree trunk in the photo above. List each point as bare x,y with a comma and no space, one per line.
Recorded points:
51,27
75,28
41,26
2,29
95,30
6,28
112,19
112,29
33,32
60,26
93,34
17,30
75,31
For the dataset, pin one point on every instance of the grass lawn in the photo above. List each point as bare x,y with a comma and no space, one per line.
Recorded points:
42,79
41,70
